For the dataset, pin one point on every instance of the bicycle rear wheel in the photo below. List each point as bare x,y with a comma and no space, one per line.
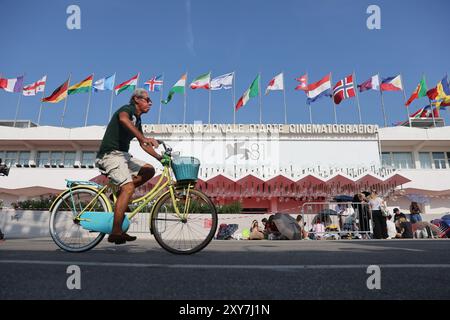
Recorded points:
67,232
189,235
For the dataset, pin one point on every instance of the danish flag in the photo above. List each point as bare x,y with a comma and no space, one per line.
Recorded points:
344,89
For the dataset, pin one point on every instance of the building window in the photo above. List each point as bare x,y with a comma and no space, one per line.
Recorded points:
439,160
386,159
24,157
56,158
425,160
88,158
69,159
448,159
43,158
2,156
11,158
402,160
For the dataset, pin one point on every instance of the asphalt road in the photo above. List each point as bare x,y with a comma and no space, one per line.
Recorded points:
230,270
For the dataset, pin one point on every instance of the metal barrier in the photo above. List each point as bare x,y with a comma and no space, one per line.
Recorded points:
337,220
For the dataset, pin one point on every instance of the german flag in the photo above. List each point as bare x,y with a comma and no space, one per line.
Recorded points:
59,94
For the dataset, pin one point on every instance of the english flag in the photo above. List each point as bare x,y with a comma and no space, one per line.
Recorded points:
35,87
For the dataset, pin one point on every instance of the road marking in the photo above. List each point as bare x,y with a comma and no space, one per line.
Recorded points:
214,266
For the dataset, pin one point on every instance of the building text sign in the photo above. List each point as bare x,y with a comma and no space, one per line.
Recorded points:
322,129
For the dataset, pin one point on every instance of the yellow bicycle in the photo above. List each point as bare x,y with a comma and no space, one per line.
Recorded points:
183,220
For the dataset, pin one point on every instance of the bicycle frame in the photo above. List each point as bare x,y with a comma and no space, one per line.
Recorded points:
159,187
153,194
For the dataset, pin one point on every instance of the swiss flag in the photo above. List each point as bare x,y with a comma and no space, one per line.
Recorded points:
343,89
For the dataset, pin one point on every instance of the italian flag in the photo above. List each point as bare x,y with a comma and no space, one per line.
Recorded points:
127,85
421,91
179,87
202,82
251,92
83,86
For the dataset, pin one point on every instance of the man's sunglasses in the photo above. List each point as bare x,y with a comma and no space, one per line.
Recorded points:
146,99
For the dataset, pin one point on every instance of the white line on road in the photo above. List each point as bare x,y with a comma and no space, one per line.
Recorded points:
214,266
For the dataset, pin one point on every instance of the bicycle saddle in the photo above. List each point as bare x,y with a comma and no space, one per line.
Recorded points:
100,168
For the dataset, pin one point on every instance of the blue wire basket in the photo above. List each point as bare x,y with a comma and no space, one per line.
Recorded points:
186,168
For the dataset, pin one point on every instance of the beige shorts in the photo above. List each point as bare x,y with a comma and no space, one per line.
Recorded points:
120,166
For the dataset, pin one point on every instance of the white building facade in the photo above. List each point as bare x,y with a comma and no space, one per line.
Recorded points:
268,168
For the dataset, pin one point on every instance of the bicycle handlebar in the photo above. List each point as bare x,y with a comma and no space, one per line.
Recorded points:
167,150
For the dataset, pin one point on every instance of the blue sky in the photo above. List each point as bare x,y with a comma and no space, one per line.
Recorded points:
174,36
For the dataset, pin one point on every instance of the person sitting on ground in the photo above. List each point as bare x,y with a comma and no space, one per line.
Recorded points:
271,231
391,228
266,227
415,212
255,231
301,224
318,229
405,229
398,214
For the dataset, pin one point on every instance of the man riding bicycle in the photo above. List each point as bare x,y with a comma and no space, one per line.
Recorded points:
113,157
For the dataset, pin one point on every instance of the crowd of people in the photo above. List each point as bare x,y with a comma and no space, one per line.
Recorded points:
368,208
386,226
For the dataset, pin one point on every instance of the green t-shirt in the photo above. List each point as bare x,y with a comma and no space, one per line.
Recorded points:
117,137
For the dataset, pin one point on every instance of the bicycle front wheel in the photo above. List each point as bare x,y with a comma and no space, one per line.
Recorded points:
185,233
65,230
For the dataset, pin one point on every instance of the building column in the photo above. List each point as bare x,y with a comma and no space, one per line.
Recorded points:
273,204
416,159
33,157
78,155
415,153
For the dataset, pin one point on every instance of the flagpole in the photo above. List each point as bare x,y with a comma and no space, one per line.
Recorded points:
112,96
357,96
209,114
40,106
65,102
160,99
309,105
284,98
17,109
233,97
89,102
184,113
332,98
382,101
18,101
260,99
404,98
